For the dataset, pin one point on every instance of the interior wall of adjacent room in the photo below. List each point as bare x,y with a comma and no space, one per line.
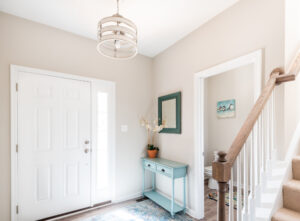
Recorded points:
235,84
26,43
247,26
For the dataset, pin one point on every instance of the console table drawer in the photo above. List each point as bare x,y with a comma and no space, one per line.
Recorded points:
164,170
150,165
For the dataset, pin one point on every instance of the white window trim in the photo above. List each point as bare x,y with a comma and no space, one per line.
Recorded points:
254,58
95,85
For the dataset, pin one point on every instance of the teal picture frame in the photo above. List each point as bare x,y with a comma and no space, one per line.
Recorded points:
177,97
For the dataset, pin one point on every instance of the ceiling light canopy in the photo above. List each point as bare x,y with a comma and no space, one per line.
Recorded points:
117,37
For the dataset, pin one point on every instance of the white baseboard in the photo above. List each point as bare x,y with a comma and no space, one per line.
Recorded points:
191,213
128,197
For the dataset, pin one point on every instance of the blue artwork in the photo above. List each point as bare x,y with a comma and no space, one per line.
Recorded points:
226,109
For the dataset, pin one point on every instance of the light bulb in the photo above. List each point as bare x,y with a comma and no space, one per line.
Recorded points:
117,44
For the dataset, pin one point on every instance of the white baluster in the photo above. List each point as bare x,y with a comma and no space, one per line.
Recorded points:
252,176
245,191
239,186
262,139
272,148
268,125
265,135
231,202
259,137
255,153
270,129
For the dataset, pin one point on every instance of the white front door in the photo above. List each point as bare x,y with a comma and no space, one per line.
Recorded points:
54,158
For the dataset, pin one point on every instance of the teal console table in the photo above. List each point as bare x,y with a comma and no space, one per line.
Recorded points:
170,169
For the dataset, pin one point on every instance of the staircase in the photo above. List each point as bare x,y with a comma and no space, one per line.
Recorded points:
248,167
291,196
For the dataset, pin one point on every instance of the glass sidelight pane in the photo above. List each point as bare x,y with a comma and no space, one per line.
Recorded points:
102,141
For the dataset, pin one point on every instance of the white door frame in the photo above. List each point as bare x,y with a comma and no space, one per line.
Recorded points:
254,58
95,85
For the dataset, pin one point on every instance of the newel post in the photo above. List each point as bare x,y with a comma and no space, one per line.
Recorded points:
221,173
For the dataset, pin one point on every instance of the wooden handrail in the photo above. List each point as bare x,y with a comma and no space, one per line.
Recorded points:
246,129
221,170
285,78
222,167
295,67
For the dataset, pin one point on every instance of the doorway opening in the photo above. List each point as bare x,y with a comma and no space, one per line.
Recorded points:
224,95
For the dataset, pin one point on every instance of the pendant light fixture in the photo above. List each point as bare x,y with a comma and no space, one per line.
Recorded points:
117,37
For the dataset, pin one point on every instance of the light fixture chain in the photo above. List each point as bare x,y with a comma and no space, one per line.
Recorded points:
118,8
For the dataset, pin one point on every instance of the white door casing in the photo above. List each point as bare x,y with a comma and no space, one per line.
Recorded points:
255,59
51,117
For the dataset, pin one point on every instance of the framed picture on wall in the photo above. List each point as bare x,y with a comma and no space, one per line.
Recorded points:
226,108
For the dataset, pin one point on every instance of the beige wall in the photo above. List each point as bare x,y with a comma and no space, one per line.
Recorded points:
30,44
247,26
235,84
291,89
292,30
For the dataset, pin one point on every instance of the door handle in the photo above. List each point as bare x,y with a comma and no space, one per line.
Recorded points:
86,150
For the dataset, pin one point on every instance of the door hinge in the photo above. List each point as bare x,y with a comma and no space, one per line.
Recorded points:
17,87
17,209
17,148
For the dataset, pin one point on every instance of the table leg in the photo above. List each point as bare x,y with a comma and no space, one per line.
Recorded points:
184,194
172,201
153,181
143,190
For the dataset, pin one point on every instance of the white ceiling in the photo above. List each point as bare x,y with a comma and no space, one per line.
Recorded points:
160,22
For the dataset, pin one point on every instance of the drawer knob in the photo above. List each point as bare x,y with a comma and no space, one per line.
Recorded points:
163,170
149,165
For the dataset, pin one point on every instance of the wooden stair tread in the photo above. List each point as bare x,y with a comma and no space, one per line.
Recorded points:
284,214
291,195
293,184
